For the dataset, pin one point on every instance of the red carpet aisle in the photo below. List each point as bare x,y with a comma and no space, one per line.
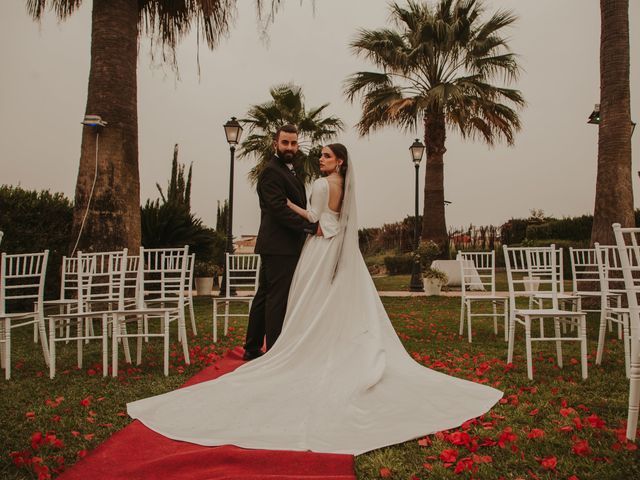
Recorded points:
135,452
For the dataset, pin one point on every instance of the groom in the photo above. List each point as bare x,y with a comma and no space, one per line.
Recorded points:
280,238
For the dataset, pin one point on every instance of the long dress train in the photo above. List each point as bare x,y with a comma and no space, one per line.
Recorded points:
338,380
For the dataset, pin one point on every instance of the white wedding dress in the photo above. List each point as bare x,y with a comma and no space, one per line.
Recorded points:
338,380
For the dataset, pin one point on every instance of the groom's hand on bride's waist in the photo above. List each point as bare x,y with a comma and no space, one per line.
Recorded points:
312,228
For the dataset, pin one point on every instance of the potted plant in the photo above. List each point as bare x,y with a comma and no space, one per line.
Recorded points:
204,271
433,280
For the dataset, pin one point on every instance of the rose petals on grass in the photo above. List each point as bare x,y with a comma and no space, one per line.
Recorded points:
449,455
535,433
549,463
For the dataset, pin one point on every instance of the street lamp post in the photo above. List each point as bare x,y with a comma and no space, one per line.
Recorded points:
416,150
233,132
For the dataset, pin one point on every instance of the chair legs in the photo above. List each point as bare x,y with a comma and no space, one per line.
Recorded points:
81,332
465,312
526,321
43,338
506,322
512,331
193,317
634,397
227,313
527,336
622,319
556,329
215,320
165,329
583,346
602,331
7,349
143,333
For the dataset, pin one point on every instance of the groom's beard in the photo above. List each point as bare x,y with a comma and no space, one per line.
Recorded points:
286,155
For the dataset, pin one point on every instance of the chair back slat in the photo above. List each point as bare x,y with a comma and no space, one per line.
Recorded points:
531,269
585,272
164,272
478,271
69,278
190,267
610,269
242,271
101,277
22,281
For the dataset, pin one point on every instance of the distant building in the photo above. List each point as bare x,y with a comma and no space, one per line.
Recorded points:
245,244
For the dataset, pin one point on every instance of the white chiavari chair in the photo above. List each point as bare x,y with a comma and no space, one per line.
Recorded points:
22,279
520,262
162,276
478,272
627,242
101,280
242,273
612,288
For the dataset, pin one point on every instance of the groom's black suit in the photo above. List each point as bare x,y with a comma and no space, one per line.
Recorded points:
280,239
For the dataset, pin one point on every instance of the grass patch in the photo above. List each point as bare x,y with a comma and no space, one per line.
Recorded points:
576,427
400,283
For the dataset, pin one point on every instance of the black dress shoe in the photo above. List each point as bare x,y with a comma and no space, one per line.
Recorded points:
249,355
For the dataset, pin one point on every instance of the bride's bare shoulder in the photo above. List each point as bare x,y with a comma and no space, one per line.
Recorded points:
334,181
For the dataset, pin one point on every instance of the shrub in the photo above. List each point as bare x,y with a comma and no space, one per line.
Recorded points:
171,225
33,221
399,264
514,231
571,228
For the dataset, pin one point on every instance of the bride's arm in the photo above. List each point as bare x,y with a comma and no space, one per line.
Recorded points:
299,210
319,198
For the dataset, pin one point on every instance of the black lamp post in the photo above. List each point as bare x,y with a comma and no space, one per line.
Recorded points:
416,150
233,132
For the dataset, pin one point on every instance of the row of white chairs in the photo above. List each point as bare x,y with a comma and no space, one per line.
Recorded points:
596,274
112,287
608,274
534,274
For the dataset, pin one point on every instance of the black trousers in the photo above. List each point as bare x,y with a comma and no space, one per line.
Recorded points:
270,303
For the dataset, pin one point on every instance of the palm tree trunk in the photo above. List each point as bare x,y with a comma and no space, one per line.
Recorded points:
434,225
113,219
614,191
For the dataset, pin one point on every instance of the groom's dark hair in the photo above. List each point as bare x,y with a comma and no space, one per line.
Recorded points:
289,128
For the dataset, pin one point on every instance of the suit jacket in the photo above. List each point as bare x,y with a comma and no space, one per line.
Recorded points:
282,231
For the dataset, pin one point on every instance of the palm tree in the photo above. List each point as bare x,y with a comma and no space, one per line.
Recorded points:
437,68
614,191
112,204
287,106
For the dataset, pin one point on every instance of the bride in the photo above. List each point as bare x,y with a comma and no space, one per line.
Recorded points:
338,379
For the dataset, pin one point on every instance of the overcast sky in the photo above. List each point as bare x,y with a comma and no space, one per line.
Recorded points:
552,166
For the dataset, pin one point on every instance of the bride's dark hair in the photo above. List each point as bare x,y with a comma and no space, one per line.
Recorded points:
340,151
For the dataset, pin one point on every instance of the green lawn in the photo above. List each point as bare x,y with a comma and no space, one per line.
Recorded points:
401,283
555,427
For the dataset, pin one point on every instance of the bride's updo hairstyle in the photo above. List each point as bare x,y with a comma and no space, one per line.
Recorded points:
340,151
